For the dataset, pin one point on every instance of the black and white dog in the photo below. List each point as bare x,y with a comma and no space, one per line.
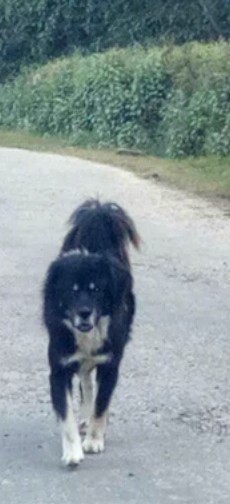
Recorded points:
88,311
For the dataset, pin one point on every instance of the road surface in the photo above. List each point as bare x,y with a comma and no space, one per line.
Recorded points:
169,435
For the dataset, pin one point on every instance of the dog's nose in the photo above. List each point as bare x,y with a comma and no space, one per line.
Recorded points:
85,312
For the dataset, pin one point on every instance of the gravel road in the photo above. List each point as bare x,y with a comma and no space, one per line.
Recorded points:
169,435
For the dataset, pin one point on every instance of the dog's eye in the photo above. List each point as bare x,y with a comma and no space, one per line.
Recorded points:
75,287
93,287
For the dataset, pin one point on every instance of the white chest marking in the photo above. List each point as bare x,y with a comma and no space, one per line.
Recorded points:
88,344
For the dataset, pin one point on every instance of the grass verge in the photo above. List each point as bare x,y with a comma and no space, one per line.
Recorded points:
205,176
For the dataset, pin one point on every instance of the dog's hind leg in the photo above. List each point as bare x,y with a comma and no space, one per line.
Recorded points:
61,396
95,437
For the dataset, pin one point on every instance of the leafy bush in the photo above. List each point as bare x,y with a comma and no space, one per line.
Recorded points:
171,100
37,30
117,96
196,115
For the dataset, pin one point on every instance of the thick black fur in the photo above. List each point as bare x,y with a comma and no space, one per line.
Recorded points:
91,279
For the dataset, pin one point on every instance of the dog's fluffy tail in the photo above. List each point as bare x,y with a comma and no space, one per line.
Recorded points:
100,228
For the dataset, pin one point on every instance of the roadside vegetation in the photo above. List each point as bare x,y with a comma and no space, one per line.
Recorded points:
171,101
36,31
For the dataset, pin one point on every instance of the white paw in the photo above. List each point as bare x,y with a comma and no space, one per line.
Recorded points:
72,453
93,445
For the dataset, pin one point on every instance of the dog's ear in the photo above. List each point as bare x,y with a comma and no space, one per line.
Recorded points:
50,286
120,281
52,277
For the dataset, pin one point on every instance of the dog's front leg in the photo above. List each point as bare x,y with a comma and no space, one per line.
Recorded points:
106,381
72,452
86,405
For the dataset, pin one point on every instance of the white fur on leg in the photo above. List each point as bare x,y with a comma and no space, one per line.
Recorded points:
72,452
94,441
86,406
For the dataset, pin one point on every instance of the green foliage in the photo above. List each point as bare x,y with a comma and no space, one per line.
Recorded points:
117,96
196,116
171,100
37,30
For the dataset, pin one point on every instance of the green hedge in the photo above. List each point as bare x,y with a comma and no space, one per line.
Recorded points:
173,101
37,30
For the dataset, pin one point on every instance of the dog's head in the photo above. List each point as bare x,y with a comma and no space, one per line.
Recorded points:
81,288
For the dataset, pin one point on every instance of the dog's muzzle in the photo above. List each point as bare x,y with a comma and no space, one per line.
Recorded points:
84,321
